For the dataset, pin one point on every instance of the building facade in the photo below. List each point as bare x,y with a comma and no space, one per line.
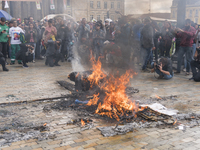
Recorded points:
89,9
192,10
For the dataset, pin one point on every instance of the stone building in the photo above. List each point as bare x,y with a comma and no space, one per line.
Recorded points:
89,9
192,10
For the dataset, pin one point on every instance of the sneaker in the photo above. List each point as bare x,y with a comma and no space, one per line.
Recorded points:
5,69
184,69
177,72
19,62
57,64
12,63
191,78
187,73
25,66
33,61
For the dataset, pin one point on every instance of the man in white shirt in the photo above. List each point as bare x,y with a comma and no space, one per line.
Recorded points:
14,41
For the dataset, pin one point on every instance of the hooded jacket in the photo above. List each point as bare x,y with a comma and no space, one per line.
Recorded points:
147,36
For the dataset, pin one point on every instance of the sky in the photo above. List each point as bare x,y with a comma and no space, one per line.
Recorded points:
142,6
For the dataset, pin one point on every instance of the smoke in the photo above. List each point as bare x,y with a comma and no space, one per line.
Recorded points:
142,6
76,62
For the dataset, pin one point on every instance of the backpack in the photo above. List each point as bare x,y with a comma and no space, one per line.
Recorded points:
22,37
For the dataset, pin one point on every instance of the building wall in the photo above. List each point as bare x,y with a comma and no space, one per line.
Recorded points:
192,12
76,8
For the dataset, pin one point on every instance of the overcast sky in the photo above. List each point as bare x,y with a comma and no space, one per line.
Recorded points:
142,6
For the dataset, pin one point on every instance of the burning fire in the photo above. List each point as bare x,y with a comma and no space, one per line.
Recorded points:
158,97
115,103
82,123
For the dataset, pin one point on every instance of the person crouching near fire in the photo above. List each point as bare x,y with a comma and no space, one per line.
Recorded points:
53,55
25,54
163,68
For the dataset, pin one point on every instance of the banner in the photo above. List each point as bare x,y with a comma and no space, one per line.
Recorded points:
65,6
6,5
38,5
52,6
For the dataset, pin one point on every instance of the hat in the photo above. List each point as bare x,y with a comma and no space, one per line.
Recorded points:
3,19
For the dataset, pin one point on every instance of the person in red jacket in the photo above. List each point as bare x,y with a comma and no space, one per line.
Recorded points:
187,35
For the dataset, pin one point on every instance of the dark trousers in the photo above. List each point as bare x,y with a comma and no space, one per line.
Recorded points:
53,59
194,66
147,57
165,50
3,62
189,52
3,49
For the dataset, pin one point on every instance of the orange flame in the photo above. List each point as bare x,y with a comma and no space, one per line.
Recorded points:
44,124
175,122
82,123
115,102
158,97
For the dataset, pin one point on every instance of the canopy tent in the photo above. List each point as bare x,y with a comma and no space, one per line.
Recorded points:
24,0
5,15
51,16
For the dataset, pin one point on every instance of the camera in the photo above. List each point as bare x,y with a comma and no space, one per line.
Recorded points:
198,50
157,65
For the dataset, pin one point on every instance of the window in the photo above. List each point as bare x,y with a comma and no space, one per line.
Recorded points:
190,15
196,20
112,17
98,4
118,5
105,17
105,5
197,12
68,2
98,17
91,17
112,4
91,4
173,14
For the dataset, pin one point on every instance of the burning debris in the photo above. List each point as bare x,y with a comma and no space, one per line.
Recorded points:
84,124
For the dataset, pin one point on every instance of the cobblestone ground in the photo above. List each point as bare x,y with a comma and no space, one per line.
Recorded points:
39,81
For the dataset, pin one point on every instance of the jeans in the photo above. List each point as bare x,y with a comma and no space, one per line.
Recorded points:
188,51
3,48
34,49
167,77
148,57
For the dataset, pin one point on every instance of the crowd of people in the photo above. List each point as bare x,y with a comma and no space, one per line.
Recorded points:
120,42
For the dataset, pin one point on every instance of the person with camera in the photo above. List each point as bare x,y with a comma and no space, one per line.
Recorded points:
31,37
195,66
163,68
187,36
25,54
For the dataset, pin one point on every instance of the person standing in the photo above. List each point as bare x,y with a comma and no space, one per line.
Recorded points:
14,33
4,35
147,41
187,37
31,37
166,39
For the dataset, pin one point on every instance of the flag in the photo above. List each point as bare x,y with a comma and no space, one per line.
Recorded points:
52,6
38,5
65,6
6,5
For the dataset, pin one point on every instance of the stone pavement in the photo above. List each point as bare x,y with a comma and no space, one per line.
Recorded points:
39,81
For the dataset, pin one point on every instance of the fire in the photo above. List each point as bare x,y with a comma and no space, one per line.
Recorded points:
115,103
44,124
158,97
82,123
175,122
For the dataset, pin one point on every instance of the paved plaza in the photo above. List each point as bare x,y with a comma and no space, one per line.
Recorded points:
39,81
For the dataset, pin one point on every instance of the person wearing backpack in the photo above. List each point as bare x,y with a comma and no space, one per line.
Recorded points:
14,41
4,35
